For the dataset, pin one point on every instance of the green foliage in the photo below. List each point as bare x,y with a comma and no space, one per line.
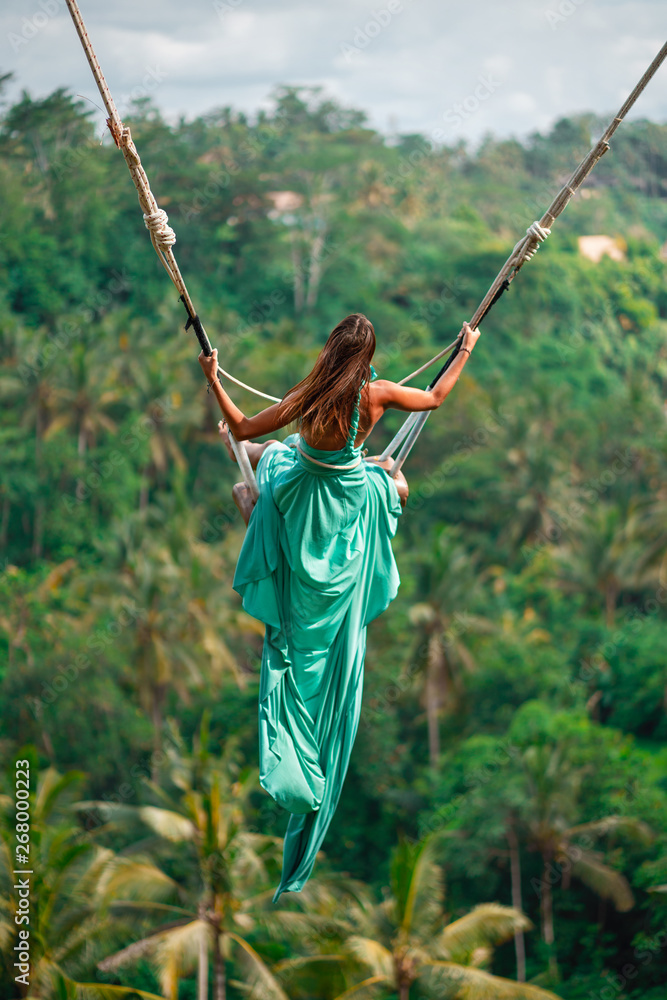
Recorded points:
514,700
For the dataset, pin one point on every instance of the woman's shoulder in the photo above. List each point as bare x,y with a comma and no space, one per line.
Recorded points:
380,389
374,400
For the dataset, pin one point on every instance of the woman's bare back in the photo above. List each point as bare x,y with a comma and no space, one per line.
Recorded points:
376,397
369,413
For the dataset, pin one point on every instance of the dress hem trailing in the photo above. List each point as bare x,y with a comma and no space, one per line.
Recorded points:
316,566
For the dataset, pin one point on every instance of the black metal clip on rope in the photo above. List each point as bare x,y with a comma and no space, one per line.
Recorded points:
450,358
196,324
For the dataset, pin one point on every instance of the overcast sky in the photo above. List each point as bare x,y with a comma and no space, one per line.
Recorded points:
463,67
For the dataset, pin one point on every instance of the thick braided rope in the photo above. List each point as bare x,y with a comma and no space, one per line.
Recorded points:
157,223
526,247
155,218
163,236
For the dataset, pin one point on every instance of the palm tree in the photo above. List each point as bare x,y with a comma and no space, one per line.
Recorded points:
40,130
553,786
533,800
533,476
23,619
649,525
178,586
446,622
67,927
83,404
406,937
26,379
321,170
27,387
602,559
82,400
161,416
226,871
514,855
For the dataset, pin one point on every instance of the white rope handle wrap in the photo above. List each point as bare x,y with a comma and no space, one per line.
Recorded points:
537,234
157,223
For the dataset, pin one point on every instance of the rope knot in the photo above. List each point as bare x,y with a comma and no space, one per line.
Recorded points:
157,223
539,234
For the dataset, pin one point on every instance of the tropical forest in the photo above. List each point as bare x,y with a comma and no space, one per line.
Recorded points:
502,829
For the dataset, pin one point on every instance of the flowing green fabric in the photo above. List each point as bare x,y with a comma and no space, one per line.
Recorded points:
316,566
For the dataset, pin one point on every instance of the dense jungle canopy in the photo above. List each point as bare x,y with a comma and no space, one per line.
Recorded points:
513,744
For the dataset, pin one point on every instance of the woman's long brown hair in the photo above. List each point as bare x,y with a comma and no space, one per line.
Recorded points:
324,400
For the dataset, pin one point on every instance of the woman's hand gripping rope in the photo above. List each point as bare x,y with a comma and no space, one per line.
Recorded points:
467,337
209,365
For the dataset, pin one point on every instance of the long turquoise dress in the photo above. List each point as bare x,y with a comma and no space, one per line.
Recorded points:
316,566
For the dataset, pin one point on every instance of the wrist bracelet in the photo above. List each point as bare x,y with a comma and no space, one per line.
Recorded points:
211,384
465,349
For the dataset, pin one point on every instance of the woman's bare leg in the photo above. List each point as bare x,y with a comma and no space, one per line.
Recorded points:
255,449
243,500
400,480
240,492
402,487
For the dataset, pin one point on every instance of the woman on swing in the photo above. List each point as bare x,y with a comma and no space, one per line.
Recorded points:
316,566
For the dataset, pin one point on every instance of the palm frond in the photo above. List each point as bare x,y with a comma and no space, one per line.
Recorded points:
250,856
138,949
296,924
53,785
372,954
287,967
160,793
178,951
135,879
628,825
301,961
475,984
7,934
132,904
324,893
170,825
260,972
110,811
416,882
604,881
365,984
486,924
97,991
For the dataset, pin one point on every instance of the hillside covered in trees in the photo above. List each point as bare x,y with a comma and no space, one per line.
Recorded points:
505,812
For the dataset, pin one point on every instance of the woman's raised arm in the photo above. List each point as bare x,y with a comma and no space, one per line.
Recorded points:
243,428
391,396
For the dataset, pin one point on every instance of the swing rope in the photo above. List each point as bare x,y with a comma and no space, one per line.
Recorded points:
163,239
162,235
523,251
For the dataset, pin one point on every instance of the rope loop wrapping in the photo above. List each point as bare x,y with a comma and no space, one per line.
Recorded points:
157,223
126,142
539,234
163,237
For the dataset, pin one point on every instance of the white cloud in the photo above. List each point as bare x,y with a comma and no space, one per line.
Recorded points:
419,57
